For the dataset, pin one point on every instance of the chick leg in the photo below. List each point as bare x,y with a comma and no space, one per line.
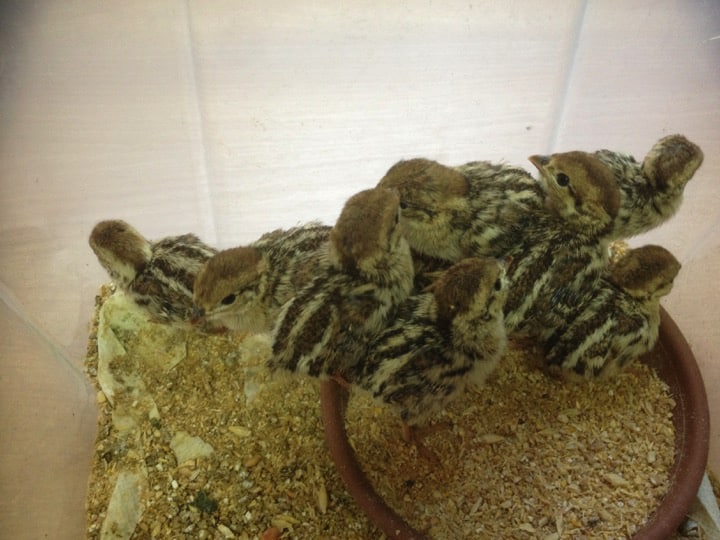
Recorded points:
341,381
413,435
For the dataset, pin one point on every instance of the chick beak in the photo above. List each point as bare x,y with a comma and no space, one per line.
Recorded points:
539,161
197,314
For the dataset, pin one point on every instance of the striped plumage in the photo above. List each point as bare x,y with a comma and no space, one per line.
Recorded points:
454,212
591,320
552,233
506,201
548,279
651,191
619,322
367,271
563,258
157,275
439,342
243,288
434,205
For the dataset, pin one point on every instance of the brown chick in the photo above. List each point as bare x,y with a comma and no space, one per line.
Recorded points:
620,322
367,272
559,250
243,288
440,342
158,275
651,191
556,230
498,203
562,251
435,206
453,212
581,191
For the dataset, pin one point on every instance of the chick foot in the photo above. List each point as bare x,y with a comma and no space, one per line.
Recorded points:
414,435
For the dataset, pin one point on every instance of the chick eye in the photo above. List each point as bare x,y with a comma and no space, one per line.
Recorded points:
498,284
229,299
562,179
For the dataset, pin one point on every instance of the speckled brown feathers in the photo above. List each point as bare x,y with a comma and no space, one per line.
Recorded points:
434,205
159,275
452,212
651,191
619,322
441,341
553,233
506,203
367,272
243,288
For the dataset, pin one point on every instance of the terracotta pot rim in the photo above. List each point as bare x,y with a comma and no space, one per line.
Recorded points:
691,418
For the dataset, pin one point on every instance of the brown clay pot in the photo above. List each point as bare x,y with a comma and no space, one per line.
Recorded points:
675,364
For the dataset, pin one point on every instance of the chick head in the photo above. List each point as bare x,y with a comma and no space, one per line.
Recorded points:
435,209
121,250
580,189
367,232
474,286
227,289
646,272
672,162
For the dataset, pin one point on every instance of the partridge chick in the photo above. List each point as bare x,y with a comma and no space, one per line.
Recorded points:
435,206
620,322
563,251
581,192
452,212
367,272
651,191
158,275
243,288
439,342
556,230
